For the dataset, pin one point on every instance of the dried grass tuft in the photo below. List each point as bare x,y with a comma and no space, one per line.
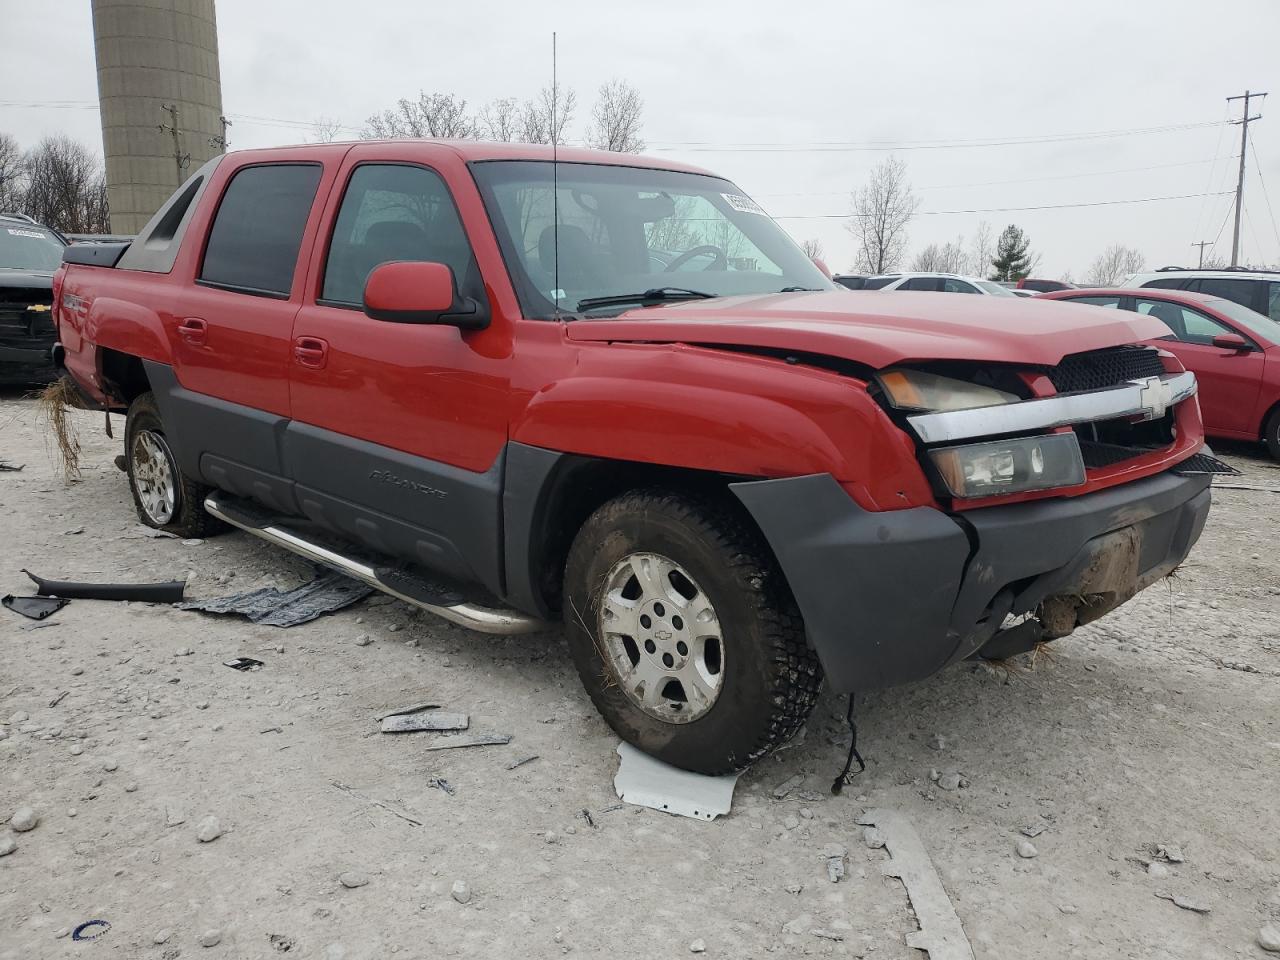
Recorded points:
57,398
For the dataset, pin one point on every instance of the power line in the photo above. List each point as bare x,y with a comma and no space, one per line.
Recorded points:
885,145
1048,206
1265,195
996,183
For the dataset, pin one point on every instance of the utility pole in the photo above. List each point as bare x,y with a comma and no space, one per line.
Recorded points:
182,160
1244,143
1202,244
221,142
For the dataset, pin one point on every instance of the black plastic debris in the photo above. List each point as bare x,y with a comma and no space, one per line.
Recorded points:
90,930
287,608
169,591
37,608
6,467
243,663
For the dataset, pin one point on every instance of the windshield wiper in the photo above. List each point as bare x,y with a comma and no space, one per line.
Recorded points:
798,290
655,295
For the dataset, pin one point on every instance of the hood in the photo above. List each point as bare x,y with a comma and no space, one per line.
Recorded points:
879,329
25,280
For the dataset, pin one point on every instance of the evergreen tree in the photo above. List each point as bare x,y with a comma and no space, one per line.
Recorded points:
1012,260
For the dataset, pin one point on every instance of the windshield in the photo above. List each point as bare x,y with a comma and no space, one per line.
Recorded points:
1251,320
994,288
626,230
29,248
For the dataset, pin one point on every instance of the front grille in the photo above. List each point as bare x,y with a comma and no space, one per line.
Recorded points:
1202,463
1099,369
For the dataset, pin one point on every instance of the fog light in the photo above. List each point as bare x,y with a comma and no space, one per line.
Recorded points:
1011,466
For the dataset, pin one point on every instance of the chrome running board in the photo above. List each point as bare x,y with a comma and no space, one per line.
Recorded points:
438,598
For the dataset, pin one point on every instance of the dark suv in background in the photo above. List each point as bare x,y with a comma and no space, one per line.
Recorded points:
29,254
1259,290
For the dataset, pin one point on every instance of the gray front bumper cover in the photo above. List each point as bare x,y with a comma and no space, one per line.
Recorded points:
893,597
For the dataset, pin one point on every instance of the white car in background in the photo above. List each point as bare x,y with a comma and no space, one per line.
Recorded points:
1259,290
943,283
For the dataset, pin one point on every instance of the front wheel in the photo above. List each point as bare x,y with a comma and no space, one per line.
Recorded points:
685,632
164,497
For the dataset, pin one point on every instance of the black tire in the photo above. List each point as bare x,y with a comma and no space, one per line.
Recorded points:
771,677
189,518
1271,434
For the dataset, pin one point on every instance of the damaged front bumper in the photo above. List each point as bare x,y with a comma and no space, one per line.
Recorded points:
893,597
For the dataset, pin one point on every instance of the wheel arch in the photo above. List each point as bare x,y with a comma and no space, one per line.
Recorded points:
548,496
123,375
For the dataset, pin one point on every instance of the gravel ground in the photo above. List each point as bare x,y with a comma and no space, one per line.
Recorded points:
124,732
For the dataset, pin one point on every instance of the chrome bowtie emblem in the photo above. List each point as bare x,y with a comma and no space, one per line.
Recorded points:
663,635
1155,397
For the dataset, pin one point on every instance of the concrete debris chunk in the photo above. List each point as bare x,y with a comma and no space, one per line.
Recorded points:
211,938
24,819
949,781
209,830
424,719
873,838
1026,849
460,891
7,844
1269,938
1186,903
162,936
1170,852
352,879
698,946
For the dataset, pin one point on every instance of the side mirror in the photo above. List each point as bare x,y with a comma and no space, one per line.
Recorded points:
1232,341
411,291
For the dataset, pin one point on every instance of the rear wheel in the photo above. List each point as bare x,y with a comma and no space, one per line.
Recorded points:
685,632
164,497
1271,434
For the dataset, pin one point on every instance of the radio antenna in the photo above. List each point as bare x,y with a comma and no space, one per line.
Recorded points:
555,179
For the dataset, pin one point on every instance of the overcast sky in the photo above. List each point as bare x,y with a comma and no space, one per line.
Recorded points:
800,83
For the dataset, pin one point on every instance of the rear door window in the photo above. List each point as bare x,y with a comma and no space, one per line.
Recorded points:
957,286
921,283
393,212
1244,292
257,232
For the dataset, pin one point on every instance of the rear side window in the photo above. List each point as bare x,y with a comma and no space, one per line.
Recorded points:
957,286
257,232
922,283
875,283
393,212
1168,283
1243,292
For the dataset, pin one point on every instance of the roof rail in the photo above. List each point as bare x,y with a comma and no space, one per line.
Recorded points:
1167,269
17,216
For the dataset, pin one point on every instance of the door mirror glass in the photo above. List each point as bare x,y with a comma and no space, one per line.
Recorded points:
409,292
1231,341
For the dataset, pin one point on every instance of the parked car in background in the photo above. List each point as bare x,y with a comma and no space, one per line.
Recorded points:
854,281
1259,290
1020,292
29,255
1044,286
1233,351
945,283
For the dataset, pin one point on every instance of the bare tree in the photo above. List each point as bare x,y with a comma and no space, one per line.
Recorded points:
949,257
615,119
65,187
882,209
1113,264
500,120
544,119
982,250
325,130
12,174
813,249
436,115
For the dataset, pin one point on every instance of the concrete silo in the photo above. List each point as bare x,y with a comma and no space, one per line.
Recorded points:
160,96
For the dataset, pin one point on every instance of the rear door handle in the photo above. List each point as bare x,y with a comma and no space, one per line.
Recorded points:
311,352
193,330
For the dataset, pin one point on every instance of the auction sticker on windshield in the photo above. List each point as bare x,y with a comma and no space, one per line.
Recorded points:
27,233
743,204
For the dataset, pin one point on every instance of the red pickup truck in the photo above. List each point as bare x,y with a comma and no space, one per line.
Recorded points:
611,390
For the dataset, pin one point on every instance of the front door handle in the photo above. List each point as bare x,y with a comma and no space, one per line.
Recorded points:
193,330
311,352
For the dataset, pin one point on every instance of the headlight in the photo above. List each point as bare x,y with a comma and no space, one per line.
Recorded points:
1011,466
918,390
